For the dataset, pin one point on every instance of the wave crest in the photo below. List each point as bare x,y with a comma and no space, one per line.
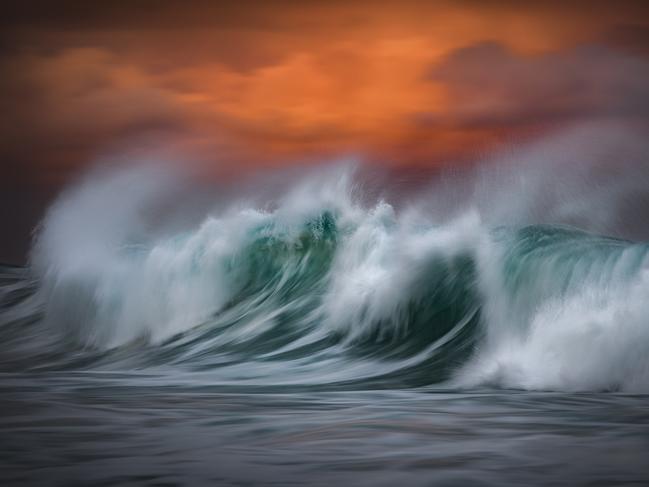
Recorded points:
324,286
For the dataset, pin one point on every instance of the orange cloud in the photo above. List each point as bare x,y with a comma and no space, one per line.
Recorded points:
236,85
280,81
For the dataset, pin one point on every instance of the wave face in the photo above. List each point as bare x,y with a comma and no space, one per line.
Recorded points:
323,287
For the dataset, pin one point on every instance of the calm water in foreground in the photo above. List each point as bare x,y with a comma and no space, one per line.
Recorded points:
107,429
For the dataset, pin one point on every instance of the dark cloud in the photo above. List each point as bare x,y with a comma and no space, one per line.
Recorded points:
490,85
74,101
262,15
631,37
82,15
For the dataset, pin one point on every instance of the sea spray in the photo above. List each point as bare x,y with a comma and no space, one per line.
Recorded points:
329,283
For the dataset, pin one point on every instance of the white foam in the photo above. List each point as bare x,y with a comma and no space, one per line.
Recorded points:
108,279
593,340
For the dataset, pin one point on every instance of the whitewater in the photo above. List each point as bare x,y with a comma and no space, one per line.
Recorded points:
510,289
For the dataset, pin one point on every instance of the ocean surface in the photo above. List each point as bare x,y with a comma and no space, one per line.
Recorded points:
322,337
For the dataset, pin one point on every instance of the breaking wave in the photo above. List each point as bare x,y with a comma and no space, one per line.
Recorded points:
325,286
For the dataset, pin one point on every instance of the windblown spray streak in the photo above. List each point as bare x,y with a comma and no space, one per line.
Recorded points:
319,290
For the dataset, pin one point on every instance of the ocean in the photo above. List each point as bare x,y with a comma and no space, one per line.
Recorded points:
321,337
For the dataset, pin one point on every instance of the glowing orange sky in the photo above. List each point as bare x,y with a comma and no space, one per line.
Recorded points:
273,82
239,85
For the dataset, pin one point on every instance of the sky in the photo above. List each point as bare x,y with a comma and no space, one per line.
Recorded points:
239,86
